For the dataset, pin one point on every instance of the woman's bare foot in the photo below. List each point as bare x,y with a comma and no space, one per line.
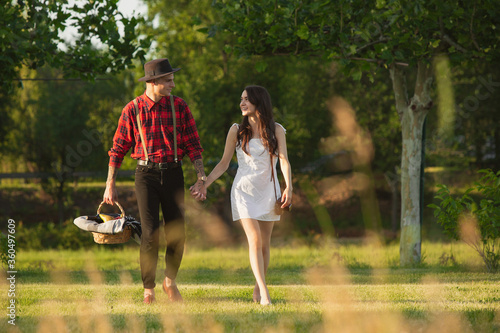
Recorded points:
266,298
256,294
265,302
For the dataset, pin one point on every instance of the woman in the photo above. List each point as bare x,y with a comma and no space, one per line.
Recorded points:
258,142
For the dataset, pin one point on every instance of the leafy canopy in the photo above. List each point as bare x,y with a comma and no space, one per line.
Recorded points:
30,35
382,31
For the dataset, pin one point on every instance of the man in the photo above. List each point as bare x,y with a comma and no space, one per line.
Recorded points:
159,179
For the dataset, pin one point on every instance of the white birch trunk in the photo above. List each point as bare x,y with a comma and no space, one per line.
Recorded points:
410,242
412,113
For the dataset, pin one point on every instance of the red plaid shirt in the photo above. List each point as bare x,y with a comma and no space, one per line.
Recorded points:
157,128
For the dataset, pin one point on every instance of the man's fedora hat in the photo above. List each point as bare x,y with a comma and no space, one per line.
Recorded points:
157,68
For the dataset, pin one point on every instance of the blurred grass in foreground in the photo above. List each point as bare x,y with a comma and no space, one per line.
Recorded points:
337,287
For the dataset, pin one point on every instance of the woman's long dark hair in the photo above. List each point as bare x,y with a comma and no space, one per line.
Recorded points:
259,97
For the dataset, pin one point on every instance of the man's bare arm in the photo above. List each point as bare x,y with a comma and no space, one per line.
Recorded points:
198,190
198,167
110,194
112,171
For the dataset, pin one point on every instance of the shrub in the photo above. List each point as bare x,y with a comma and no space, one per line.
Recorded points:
4,250
52,236
477,224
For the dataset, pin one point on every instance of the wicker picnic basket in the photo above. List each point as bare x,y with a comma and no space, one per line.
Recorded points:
118,238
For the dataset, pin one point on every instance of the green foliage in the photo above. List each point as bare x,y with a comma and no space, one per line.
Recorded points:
58,134
383,31
4,257
52,236
31,36
213,77
452,212
376,114
47,125
473,138
450,209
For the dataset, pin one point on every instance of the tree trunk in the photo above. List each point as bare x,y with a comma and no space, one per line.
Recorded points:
412,113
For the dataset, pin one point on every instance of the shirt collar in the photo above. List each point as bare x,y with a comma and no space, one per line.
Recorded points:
150,103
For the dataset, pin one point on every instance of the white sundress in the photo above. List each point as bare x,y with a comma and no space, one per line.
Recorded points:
252,193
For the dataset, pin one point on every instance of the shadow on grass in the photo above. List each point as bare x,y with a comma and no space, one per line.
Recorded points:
276,276
256,321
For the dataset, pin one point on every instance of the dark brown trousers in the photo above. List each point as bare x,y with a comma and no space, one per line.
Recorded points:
155,188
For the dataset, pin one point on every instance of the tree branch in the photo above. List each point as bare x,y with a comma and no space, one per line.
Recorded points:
381,40
341,18
378,61
57,79
400,90
450,41
422,100
472,36
424,79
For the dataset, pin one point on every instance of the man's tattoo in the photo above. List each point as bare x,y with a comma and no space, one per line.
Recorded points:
198,166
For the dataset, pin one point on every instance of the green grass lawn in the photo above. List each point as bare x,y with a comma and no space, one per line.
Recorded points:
337,287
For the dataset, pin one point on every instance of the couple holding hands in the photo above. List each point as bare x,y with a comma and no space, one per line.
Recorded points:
160,135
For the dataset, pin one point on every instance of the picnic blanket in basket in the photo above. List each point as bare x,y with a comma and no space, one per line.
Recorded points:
110,228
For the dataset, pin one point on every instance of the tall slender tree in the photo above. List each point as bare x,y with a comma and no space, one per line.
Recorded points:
402,36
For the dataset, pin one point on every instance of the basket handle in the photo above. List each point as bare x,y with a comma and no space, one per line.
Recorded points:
116,202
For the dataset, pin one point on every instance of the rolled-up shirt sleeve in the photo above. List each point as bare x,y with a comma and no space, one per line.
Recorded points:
123,139
190,137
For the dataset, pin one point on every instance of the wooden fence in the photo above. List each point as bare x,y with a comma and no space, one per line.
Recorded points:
72,175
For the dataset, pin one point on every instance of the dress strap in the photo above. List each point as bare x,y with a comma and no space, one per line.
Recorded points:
284,129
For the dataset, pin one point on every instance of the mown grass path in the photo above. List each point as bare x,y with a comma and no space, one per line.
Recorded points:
330,288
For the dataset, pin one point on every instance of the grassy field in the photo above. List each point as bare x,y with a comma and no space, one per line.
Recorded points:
336,287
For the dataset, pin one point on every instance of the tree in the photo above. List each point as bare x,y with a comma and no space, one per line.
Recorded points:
62,127
402,36
31,37
213,77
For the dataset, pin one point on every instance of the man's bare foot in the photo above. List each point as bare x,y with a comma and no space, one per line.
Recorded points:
170,288
149,296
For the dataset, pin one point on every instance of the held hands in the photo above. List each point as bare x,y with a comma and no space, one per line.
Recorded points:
199,191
